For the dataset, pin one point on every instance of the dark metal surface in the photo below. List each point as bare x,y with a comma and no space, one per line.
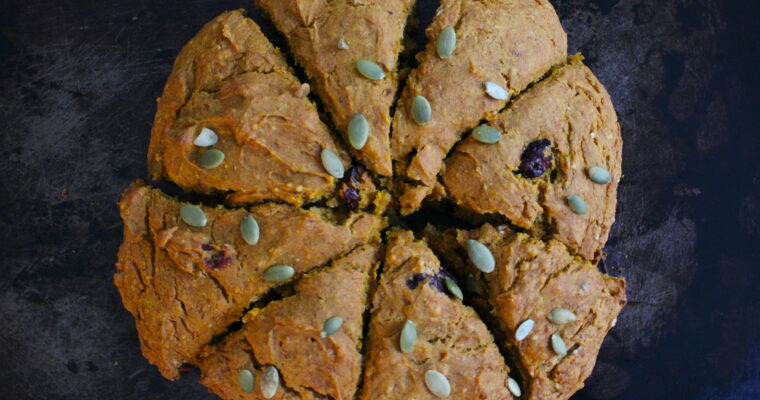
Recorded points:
78,82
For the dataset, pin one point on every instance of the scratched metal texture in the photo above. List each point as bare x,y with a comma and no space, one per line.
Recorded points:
78,80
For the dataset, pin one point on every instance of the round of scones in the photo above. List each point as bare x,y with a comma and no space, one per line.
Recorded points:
306,281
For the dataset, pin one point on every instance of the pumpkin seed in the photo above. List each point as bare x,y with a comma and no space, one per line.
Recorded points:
370,70
358,131
342,44
437,383
453,288
421,110
192,215
447,42
486,134
599,175
245,380
279,273
331,326
480,256
270,382
472,285
408,336
577,204
211,159
514,387
496,91
558,345
206,138
561,316
524,329
332,163
249,229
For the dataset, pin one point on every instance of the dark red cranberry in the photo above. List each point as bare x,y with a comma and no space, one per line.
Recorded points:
351,195
415,280
535,160
436,281
218,256
355,175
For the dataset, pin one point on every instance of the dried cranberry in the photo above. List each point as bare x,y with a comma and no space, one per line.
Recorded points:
535,160
415,280
355,174
351,195
436,281
218,256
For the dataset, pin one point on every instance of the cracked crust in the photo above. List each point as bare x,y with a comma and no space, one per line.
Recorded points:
572,110
530,280
286,334
509,42
181,299
230,79
451,338
373,30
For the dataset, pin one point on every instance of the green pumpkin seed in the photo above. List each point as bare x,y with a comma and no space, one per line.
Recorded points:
279,273
332,163
370,70
561,316
206,138
249,229
480,256
453,288
270,382
496,91
447,42
577,204
245,380
524,329
331,326
558,345
193,215
514,387
599,175
408,336
437,383
358,131
486,134
211,159
421,110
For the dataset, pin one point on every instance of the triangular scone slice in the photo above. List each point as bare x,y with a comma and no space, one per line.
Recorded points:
186,284
289,335
328,38
231,91
566,122
509,43
450,337
531,280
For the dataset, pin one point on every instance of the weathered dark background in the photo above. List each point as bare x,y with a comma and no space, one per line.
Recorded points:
78,81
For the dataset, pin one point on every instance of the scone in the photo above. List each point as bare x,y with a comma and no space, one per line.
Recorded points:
187,272
423,341
553,310
560,141
500,47
233,120
311,338
350,50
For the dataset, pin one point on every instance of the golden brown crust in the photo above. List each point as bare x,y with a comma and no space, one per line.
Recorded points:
509,42
230,79
287,334
451,338
170,278
372,30
531,279
574,112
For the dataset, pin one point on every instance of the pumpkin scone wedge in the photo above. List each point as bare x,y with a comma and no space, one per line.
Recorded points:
423,343
553,309
305,346
479,54
551,165
349,49
186,272
234,120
